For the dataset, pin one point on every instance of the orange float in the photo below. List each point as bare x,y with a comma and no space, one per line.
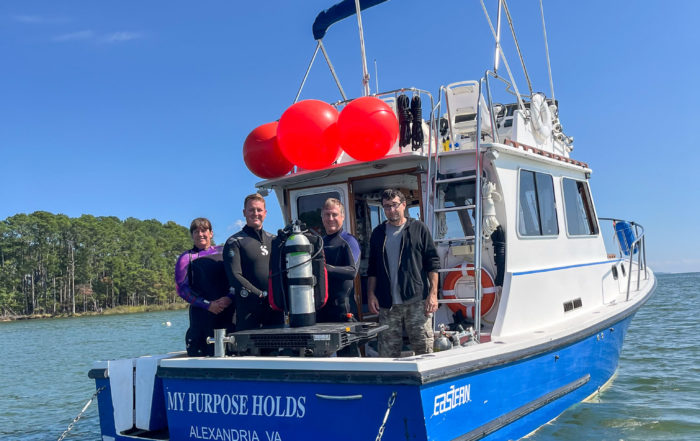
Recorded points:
488,290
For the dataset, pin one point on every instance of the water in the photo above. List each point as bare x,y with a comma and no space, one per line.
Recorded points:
655,396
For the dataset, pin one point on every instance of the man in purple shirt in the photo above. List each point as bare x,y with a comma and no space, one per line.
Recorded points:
201,281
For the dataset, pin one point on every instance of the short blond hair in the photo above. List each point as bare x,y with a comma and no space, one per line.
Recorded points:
330,202
253,197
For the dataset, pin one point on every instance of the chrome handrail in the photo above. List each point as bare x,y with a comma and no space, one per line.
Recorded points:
638,245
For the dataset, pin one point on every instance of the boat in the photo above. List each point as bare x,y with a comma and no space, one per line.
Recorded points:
536,291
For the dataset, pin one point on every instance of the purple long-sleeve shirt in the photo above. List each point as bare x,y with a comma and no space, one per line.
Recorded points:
182,282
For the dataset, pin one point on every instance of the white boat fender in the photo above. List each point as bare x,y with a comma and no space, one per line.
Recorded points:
488,203
541,117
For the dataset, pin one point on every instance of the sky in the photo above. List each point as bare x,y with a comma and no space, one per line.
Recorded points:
140,109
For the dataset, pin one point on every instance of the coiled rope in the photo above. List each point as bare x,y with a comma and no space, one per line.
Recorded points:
417,124
404,113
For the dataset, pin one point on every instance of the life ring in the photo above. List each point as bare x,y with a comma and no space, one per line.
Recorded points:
488,290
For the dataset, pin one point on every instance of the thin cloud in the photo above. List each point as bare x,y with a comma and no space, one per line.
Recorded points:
74,36
37,19
88,35
118,37
236,225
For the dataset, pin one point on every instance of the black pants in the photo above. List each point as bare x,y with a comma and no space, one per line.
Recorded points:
202,325
252,312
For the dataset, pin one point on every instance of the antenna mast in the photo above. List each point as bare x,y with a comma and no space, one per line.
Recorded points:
365,73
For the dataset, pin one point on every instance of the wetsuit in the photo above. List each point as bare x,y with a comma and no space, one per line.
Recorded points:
342,263
342,253
247,263
200,278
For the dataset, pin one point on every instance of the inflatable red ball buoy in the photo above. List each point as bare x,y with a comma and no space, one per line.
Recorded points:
367,128
262,154
308,135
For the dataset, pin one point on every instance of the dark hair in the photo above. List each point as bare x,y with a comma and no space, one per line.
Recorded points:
391,193
253,197
200,222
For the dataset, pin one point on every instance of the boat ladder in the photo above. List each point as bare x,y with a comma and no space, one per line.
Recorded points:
438,178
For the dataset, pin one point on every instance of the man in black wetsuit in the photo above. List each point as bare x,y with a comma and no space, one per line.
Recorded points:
247,262
342,253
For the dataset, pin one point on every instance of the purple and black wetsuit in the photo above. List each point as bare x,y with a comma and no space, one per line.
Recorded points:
200,278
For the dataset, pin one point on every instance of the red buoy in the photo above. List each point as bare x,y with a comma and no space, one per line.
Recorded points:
367,128
308,134
262,154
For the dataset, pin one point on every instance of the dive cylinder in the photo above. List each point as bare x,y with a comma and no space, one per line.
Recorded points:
300,279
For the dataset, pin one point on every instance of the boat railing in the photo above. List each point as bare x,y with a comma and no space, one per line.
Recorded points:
631,240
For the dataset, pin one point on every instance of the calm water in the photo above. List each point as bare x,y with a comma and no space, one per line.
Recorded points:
656,395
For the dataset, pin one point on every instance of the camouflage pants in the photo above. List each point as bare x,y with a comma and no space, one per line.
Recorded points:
418,328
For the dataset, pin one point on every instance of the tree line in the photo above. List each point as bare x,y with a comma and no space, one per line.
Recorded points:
54,264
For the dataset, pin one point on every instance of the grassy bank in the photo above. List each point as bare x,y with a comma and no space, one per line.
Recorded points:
108,311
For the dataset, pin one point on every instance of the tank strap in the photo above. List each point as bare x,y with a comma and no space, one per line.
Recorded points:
298,249
311,281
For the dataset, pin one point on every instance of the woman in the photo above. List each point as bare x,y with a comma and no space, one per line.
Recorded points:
201,281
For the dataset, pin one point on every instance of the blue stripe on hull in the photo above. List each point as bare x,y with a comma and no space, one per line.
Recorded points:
504,402
495,396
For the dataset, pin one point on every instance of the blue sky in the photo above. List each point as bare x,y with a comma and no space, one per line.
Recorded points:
140,109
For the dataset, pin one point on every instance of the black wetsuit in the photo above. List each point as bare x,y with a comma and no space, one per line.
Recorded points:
247,262
342,253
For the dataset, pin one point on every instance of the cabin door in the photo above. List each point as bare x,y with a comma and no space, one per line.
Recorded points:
368,213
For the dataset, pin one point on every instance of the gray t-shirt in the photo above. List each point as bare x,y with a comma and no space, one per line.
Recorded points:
393,251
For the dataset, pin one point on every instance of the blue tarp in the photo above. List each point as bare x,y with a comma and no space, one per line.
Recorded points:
335,13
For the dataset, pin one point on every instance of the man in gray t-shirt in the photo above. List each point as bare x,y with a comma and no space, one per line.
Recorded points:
393,250
403,278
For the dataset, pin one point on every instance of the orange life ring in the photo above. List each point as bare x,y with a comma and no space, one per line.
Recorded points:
488,290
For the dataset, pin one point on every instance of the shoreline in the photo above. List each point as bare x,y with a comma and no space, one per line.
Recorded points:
110,311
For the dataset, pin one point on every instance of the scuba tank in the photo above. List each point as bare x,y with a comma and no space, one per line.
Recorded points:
300,279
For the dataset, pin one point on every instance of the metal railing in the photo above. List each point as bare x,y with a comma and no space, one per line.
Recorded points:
637,246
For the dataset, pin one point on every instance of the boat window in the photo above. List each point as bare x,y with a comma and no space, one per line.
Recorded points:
309,209
460,223
537,208
580,217
376,215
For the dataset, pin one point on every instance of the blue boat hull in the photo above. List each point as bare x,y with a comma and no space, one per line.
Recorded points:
499,399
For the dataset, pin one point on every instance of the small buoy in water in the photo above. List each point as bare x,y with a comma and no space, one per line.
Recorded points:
168,324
